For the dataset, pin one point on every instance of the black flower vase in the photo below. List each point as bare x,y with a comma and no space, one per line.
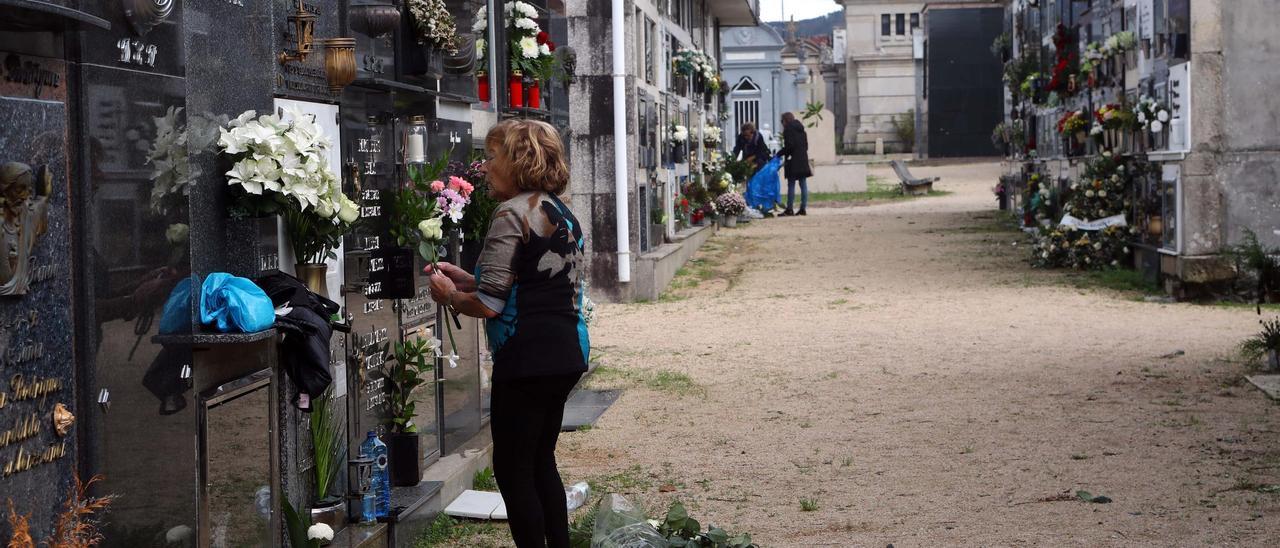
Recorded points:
405,459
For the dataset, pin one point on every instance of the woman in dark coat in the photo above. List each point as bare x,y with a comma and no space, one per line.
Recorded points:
795,149
750,144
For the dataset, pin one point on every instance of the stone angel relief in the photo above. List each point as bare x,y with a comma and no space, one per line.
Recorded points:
24,218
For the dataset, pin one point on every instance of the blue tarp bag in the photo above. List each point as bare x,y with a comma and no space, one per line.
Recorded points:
233,304
762,190
176,317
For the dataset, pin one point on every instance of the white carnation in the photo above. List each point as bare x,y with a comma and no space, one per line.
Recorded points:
526,24
544,50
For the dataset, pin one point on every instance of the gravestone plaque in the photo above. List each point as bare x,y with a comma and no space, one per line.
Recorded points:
37,381
368,173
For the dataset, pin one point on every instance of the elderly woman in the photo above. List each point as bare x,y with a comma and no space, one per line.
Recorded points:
529,287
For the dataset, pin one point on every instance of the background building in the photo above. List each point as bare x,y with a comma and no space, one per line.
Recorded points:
759,89
657,99
880,71
958,80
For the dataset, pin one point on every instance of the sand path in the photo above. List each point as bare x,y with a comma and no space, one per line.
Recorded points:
900,366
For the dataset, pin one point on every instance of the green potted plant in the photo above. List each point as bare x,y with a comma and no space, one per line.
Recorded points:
329,451
1261,263
411,365
1265,345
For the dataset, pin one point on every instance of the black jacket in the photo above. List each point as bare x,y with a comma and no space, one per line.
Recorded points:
304,352
754,148
795,149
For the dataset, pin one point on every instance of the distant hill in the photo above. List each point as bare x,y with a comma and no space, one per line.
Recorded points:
807,28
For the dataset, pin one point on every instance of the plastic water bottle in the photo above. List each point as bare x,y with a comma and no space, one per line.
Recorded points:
576,496
377,500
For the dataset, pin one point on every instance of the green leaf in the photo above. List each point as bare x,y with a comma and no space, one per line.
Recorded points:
297,524
677,514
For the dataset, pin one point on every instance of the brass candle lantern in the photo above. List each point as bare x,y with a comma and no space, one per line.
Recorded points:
304,27
339,62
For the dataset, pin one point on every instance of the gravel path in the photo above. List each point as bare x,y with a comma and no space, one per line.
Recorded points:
900,367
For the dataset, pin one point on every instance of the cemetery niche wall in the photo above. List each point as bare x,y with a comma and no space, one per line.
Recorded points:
114,199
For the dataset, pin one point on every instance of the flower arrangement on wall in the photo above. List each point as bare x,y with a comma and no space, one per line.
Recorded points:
1095,230
1073,124
434,25
712,136
280,165
531,53
694,63
1063,79
1151,115
678,133
481,29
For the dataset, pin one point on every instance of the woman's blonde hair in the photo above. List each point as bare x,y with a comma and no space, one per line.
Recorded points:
532,153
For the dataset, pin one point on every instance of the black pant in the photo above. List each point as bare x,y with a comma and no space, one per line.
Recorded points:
525,417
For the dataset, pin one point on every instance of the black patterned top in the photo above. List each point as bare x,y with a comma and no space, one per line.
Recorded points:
531,273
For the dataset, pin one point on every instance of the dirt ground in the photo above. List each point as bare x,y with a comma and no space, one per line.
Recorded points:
896,374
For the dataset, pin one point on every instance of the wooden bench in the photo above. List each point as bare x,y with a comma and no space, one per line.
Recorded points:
912,185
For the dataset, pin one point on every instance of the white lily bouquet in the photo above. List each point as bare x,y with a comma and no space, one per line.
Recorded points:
280,166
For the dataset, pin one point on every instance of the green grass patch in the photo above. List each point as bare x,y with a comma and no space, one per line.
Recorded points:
629,481
1274,307
1115,279
661,380
446,530
484,480
809,505
877,191
673,382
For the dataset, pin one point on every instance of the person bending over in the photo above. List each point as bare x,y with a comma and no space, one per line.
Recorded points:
750,146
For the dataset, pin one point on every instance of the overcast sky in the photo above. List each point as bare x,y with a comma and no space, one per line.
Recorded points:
782,10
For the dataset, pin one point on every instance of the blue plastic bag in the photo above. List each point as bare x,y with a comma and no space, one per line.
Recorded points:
230,304
762,190
176,317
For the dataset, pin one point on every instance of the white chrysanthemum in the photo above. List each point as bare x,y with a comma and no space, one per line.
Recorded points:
526,9
528,47
320,531
482,20
1163,116
1157,126
526,24
481,44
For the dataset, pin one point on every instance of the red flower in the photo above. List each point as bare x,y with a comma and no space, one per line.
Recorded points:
551,45
684,202
543,37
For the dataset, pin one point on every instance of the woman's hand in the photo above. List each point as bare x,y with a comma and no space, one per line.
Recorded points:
462,280
442,288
